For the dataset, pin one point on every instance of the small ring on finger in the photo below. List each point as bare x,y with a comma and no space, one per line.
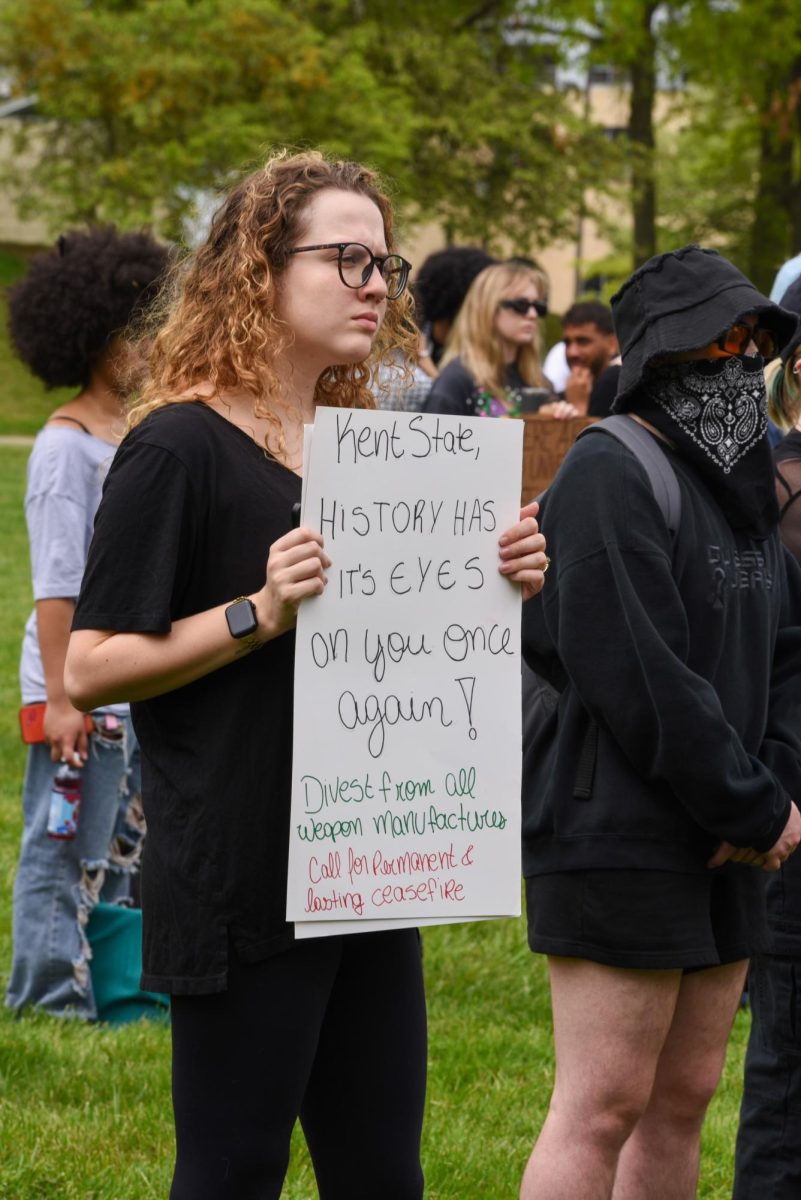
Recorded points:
547,564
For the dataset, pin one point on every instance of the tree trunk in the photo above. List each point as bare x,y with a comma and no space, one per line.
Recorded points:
642,74
795,186
771,231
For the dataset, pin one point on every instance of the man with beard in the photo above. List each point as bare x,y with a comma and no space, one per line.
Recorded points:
671,768
590,347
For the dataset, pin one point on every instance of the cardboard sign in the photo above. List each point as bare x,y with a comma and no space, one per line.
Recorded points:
407,741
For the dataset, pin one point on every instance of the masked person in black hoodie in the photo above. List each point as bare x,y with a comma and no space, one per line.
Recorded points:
678,665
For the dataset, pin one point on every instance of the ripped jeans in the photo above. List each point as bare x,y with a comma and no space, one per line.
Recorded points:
58,883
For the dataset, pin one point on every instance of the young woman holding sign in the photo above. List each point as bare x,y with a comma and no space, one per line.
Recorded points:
296,286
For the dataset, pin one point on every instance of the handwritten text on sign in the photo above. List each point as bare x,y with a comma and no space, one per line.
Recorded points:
406,764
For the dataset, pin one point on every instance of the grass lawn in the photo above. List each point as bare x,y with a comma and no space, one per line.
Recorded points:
85,1111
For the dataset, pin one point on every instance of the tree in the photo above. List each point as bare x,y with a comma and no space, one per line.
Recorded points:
626,37
143,103
500,154
752,101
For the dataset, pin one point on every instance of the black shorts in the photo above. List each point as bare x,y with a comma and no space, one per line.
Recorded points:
651,920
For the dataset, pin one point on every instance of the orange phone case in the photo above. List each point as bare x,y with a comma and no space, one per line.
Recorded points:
31,723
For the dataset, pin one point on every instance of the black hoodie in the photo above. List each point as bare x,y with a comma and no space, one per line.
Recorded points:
686,656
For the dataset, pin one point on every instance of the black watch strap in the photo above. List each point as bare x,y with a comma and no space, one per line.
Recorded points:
241,617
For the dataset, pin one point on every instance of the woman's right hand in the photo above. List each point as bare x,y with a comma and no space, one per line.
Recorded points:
65,732
296,568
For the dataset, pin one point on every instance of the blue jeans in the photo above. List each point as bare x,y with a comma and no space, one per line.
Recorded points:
768,1154
58,882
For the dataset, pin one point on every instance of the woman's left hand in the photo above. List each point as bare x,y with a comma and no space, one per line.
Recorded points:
522,552
560,410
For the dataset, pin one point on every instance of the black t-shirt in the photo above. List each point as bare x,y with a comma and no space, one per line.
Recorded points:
190,508
603,393
456,393
784,888
787,457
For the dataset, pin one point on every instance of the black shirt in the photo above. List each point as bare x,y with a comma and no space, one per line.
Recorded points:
688,657
603,393
787,457
190,508
784,888
456,393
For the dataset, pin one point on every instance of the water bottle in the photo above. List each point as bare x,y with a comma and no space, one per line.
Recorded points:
65,803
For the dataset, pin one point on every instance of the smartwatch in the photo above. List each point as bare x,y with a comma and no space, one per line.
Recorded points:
241,617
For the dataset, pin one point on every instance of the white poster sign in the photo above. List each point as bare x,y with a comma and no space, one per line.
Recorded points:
406,761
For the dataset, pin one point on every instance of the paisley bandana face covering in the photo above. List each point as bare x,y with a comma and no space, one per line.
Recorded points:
719,403
715,412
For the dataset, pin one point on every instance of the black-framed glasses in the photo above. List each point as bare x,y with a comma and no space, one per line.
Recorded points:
522,306
738,338
356,264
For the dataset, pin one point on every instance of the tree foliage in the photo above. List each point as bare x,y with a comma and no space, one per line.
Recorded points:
725,166
741,146
143,103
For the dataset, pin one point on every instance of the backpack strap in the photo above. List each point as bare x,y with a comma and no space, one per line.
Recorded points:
665,486
656,464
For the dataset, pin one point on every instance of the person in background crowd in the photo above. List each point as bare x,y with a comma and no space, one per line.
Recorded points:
439,290
67,318
555,368
590,348
768,1154
787,274
671,768
188,607
782,410
401,387
492,359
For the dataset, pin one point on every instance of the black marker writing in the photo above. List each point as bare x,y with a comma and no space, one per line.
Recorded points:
395,646
468,685
378,713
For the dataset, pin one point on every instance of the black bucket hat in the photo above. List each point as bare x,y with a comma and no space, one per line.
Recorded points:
683,300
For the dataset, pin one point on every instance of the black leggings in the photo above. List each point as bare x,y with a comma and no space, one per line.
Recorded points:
334,1031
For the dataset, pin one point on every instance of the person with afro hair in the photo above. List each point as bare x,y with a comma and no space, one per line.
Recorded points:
440,288
67,318
441,285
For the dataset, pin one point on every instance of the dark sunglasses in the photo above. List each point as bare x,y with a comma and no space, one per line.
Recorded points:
356,264
739,337
521,306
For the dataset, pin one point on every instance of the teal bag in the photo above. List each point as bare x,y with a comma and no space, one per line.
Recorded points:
115,936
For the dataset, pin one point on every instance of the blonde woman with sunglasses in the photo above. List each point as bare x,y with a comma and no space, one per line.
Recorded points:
493,358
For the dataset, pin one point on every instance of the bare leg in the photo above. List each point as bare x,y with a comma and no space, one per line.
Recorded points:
661,1158
609,1029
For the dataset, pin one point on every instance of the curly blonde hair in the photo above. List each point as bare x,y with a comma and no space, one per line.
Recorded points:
217,321
474,338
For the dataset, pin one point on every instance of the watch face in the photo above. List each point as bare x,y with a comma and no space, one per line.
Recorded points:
241,618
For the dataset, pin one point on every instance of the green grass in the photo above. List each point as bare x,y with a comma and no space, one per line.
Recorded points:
85,1111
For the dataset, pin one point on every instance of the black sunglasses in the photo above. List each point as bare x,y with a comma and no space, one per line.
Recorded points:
739,337
521,306
356,264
